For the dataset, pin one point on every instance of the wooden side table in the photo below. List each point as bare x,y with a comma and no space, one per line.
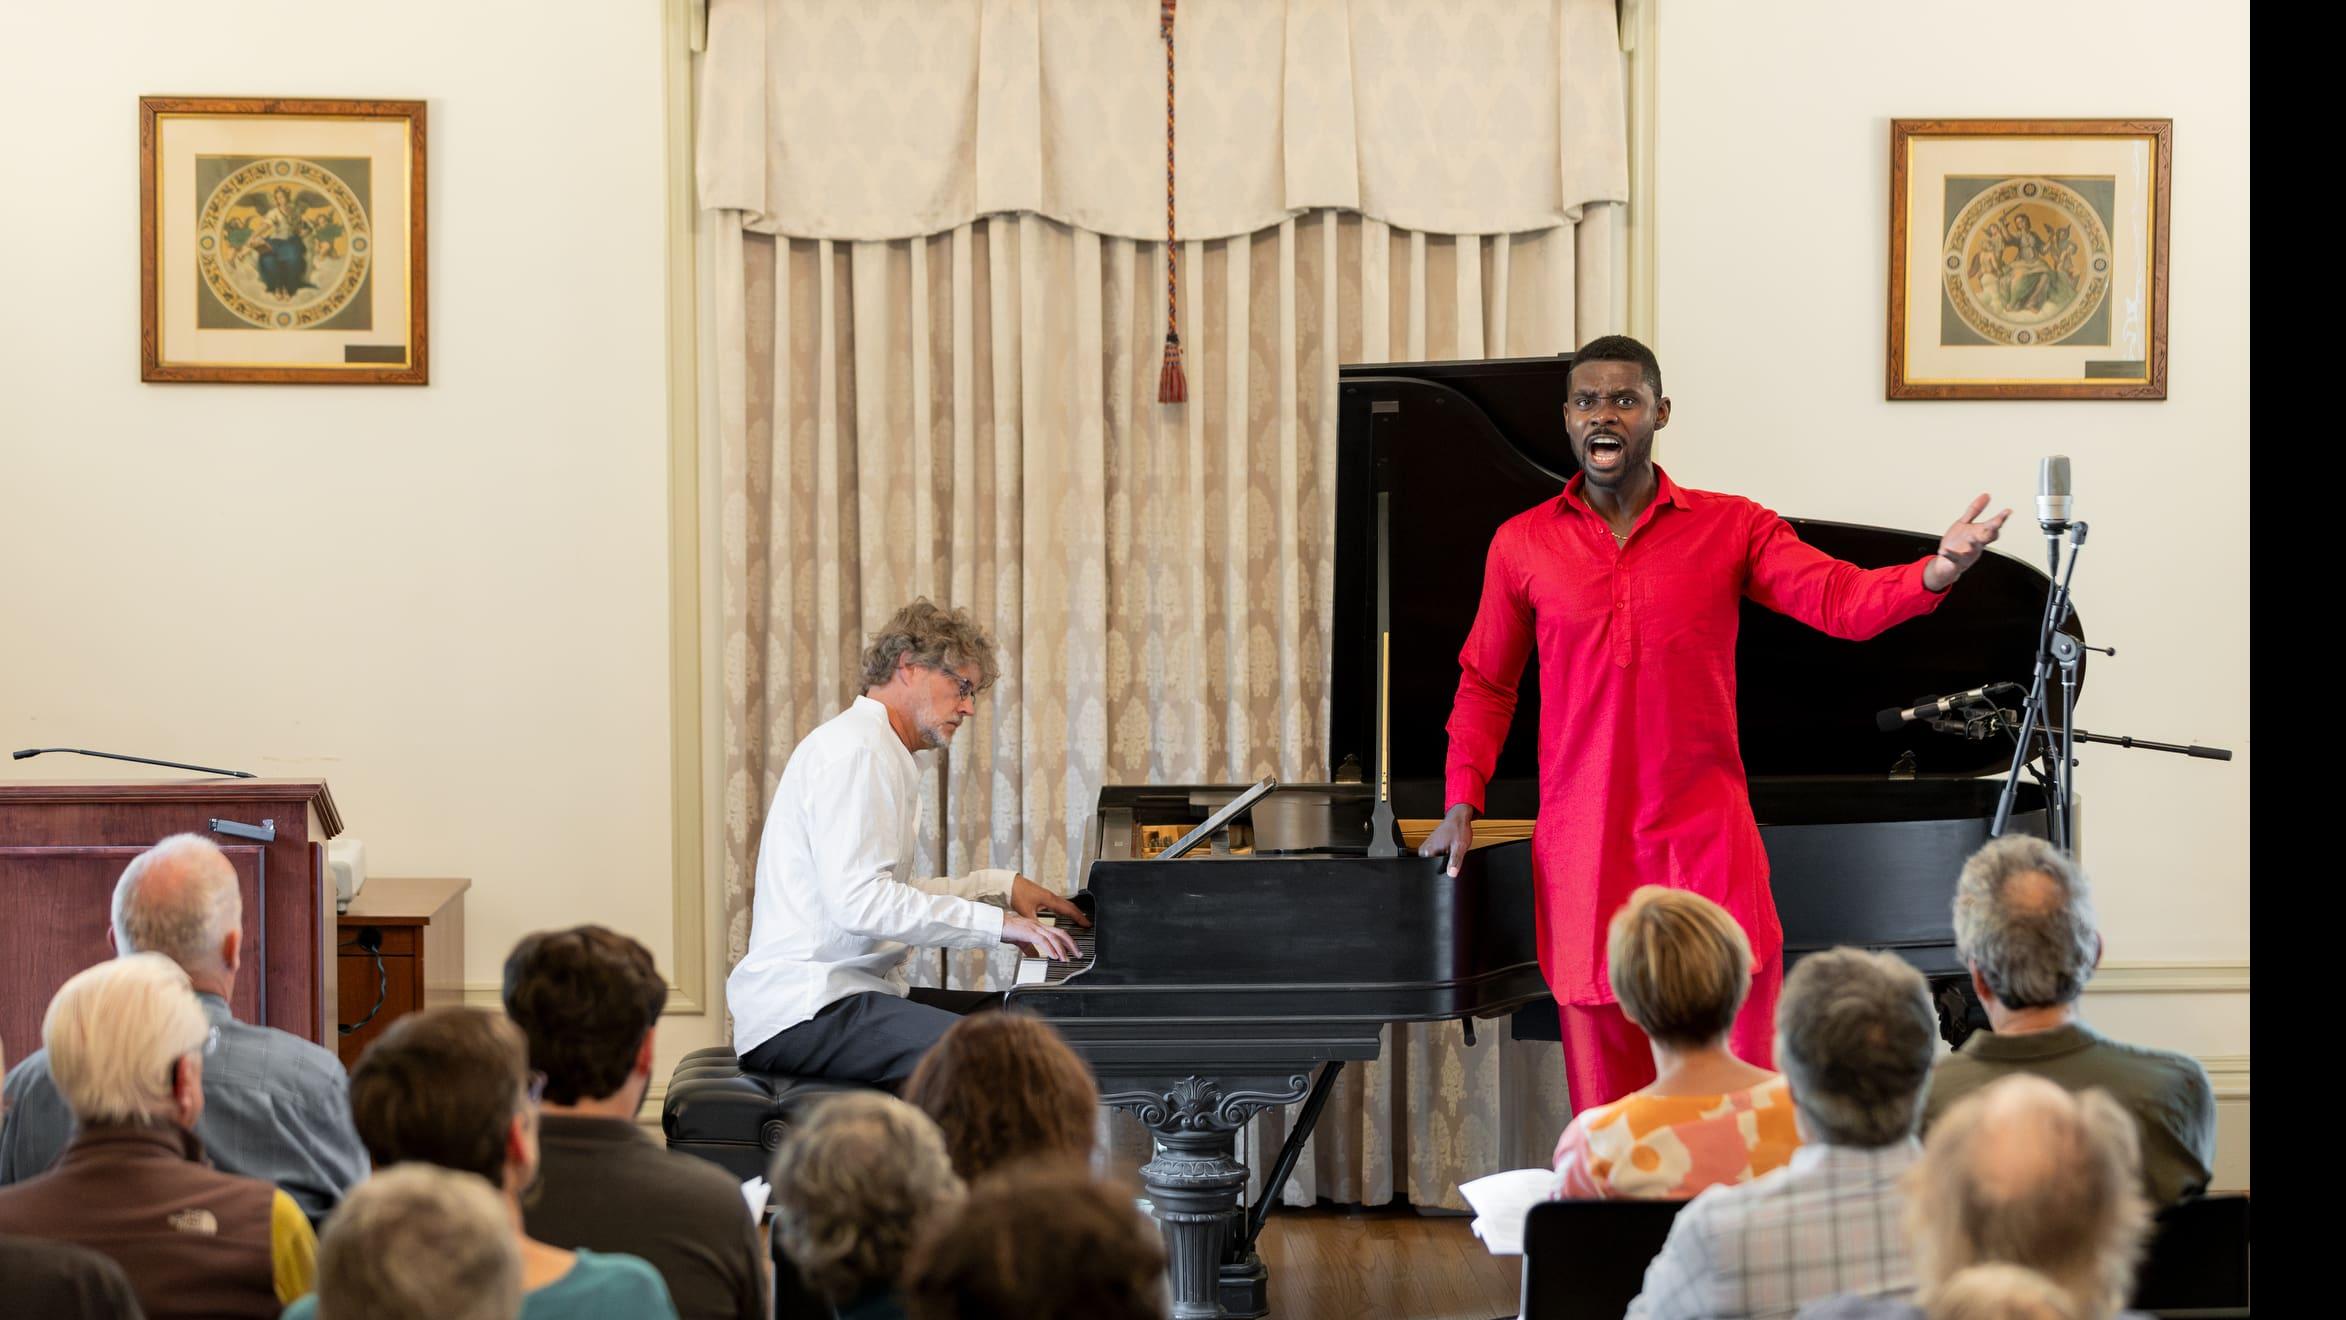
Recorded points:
415,928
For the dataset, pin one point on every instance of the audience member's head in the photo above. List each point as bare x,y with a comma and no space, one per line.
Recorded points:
2024,920
1004,1087
1106,1260
852,1185
419,1242
1679,965
2001,1292
2026,1173
587,999
451,1087
179,899
1855,1035
126,1043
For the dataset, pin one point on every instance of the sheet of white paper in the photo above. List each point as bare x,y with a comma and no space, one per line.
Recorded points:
1500,1202
755,1192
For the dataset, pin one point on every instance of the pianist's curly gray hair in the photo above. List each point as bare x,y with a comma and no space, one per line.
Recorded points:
927,634
2035,945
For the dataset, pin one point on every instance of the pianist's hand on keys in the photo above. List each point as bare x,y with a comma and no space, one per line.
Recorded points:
1051,971
1037,935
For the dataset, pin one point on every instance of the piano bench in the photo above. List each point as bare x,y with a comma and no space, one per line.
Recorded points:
732,1118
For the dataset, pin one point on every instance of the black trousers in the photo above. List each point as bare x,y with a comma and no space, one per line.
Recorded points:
872,1038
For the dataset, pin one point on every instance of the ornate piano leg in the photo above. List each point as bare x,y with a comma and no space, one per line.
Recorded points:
1195,1181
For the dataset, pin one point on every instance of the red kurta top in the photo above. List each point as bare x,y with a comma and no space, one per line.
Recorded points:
1641,777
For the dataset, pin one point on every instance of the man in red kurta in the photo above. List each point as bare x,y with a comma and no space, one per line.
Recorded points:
1628,584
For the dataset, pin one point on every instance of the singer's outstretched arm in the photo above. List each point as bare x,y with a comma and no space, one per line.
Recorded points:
1963,544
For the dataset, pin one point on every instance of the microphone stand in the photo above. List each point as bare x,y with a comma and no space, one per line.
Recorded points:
2032,712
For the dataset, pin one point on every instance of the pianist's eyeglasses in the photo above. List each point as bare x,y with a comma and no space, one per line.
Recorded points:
962,687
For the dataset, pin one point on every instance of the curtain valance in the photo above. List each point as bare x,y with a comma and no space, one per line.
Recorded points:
890,119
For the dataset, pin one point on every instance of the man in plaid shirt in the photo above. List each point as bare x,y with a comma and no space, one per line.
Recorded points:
1854,1035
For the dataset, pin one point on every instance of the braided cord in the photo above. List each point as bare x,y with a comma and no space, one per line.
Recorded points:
1172,382
1172,318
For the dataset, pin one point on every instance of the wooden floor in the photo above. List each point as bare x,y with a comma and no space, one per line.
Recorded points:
1345,1264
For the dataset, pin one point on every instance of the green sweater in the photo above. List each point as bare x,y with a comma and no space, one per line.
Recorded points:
2168,1094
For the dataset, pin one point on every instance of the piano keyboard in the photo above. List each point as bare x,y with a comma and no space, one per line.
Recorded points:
1051,971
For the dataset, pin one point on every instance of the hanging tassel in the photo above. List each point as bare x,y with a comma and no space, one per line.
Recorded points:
1172,384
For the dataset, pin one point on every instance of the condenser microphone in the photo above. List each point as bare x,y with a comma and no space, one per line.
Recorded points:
1932,708
2052,494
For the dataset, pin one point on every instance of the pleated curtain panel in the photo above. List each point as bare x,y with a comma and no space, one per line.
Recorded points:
934,261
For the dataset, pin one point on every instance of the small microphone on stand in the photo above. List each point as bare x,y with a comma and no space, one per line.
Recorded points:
26,754
1932,708
2053,502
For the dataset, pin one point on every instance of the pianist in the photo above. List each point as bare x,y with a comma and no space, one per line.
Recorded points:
822,992
1628,584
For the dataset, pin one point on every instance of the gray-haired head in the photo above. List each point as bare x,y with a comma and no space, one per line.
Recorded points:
2025,1173
927,634
854,1184
1855,1035
116,1034
179,899
2024,917
2001,1292
416,1240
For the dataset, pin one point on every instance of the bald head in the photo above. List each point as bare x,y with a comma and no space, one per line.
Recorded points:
2026,1173
179,899
2002,1292
2040,1132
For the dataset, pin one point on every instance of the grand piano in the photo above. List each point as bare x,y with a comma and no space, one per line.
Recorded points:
1245,972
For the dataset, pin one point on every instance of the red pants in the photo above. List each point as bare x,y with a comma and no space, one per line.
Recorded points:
1606,1056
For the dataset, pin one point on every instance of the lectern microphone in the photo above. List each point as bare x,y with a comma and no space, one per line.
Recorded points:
28,753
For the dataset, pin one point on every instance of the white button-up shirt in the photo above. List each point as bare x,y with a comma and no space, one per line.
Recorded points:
837,907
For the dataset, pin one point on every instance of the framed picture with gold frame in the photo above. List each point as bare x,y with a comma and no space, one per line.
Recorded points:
281,241
2028,258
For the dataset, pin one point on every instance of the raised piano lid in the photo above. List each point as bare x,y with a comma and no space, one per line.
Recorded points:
1463,446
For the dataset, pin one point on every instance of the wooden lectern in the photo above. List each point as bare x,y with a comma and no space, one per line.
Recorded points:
63,845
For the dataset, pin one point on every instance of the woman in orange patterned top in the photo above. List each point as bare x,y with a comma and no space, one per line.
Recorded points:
1680,967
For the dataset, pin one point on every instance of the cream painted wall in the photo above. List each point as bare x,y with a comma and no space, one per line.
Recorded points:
450,601
1772,143
467,620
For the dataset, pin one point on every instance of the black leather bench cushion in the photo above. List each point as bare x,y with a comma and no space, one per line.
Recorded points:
735,1118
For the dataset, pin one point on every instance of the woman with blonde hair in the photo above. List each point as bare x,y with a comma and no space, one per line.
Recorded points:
1680,967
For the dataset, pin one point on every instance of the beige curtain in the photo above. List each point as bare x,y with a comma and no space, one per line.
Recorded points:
886,119
972,416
